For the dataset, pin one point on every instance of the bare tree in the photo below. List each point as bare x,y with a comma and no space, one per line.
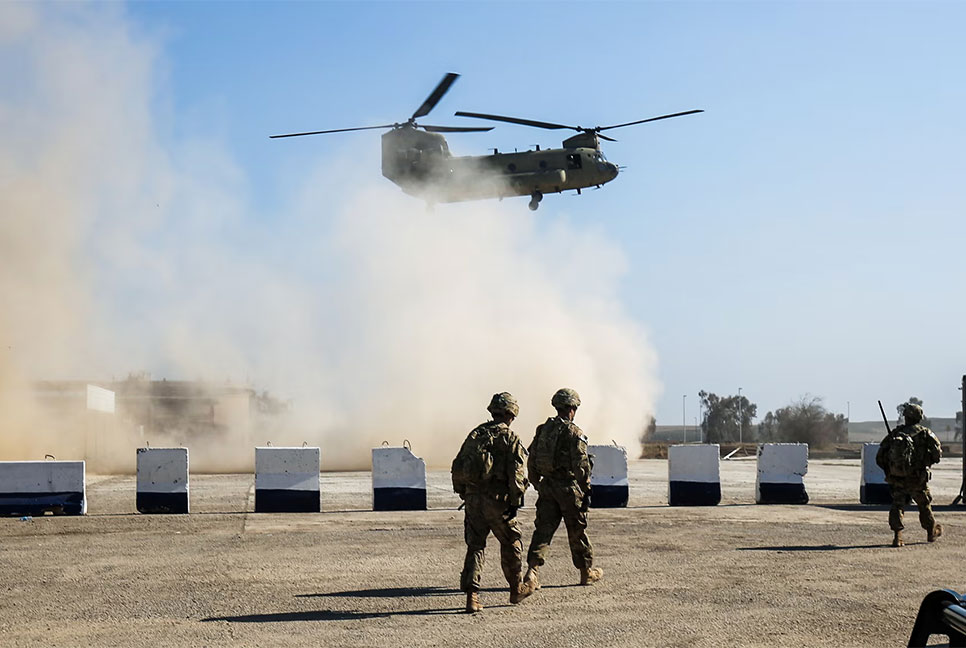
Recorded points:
805,421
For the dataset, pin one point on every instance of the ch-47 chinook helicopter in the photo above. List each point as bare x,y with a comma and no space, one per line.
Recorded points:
416,157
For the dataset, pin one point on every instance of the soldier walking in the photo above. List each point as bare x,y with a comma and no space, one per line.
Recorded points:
905,455
560,468
488,474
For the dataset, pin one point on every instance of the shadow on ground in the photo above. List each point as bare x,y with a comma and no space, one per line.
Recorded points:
350,615
824,547
328,615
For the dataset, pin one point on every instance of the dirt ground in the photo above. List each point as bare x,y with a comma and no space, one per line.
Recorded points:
738,574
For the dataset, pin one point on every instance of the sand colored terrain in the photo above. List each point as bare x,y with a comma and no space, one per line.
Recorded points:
738,574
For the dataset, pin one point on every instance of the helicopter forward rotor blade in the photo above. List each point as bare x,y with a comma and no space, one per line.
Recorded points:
604,137
456,129
516,120
337,130
436,95
641,121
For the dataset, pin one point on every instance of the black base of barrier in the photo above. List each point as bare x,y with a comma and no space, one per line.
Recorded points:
71,503
162,502
875,494
607,496
684,493
774,493
942,612
287,501
398,499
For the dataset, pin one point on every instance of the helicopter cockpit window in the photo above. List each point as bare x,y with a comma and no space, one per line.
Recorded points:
599,157
573,161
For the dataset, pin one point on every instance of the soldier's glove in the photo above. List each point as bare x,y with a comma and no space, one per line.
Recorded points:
585,502
511,512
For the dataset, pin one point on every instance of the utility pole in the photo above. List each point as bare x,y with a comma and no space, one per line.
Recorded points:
962,487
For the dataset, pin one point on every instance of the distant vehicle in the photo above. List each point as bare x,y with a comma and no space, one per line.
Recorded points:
416,157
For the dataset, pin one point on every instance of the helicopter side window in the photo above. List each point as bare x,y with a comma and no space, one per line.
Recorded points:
573,161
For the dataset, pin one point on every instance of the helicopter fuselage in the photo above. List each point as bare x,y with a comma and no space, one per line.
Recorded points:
421,164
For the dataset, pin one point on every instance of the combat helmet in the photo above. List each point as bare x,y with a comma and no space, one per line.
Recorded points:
565,397
505,403
912,413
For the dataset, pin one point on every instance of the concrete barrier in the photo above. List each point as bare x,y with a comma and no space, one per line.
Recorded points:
162,480
287,480
781,467
608,479
35,487
873,488
398,480
694,475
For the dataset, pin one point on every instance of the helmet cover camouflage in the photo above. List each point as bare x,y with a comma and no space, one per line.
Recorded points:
912,413
565,397
505,403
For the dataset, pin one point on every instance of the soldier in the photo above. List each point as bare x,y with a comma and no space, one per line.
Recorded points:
488,474
905,455
560,468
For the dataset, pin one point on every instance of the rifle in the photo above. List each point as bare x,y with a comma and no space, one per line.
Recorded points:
884,419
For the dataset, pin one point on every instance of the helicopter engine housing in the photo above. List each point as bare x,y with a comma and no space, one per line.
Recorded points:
414,158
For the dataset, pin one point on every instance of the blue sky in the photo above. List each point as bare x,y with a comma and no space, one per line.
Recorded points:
802,236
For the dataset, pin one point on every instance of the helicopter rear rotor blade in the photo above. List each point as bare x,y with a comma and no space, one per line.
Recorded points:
516,120
337,130
436,95
456,129
650,119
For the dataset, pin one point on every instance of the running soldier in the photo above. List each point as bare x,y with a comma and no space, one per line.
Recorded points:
488,474
905,456
560,468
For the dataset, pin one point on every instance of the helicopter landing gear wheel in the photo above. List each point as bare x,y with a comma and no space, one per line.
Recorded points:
535,199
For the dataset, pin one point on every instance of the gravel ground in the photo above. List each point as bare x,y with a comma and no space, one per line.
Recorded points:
738,574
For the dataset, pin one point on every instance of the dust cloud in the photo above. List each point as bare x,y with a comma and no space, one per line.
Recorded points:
370,317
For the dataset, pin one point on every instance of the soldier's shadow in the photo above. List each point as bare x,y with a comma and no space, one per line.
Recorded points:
327,615
351,615
824,547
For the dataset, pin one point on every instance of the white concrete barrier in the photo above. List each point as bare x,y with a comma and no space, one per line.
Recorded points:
694,475
608,478
781,468
162,480
398,480
35,487
287,480
873,488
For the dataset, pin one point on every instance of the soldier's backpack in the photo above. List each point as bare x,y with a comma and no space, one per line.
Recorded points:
473,465
901,455
545,447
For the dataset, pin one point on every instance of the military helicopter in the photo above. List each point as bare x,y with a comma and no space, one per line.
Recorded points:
417,158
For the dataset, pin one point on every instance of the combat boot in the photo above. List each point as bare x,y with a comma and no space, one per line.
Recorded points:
590,575
473,602
531,577
520,591
897,540
933,534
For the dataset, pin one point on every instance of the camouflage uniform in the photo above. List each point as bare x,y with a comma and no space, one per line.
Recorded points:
927,450
913,487
493,507
562,494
